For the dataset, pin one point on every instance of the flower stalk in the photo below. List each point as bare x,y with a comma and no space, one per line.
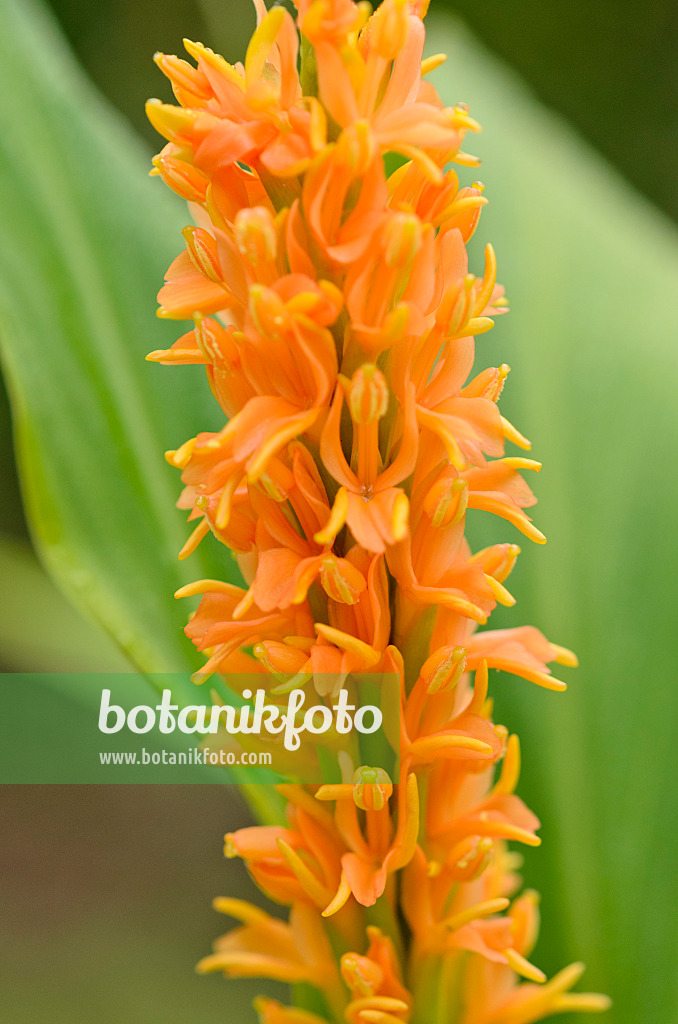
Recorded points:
326,277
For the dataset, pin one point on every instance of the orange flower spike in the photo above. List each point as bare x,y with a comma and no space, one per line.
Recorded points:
315,281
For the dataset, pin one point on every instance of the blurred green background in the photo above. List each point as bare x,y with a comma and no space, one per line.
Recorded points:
106,893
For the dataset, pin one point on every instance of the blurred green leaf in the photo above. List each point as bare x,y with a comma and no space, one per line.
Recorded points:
39,630
86,239
591,270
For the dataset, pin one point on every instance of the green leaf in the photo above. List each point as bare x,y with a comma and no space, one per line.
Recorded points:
591,270
87,237
40,631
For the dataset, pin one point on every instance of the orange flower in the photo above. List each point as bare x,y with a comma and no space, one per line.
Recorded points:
368,500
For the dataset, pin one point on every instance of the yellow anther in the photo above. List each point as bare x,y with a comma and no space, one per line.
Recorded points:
336,521
489,280
523,967
368,395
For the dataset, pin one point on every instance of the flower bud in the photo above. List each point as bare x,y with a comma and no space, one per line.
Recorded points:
368,395
279,658
182,178
212,339
372,788
446,501
202,249
488,383
255,234
443,669
340,580
363,976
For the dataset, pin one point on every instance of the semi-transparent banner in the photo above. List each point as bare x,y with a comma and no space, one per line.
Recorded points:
244,729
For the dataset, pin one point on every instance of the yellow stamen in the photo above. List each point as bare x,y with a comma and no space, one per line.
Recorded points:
429,64
367,655
501,594
523,967
510,769
241,910
428,746
336,521
182,456
489,280
514,436
208,587
304,875
201,531
339,898
565,657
